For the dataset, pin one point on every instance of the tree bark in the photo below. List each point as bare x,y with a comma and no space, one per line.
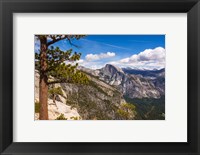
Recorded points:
54,98
43,85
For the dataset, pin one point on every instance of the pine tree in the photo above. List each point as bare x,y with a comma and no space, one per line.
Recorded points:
52,66
55,91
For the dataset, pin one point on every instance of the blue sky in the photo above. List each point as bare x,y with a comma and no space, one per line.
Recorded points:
135,51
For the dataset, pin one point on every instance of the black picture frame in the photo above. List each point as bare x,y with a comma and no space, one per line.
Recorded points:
8,7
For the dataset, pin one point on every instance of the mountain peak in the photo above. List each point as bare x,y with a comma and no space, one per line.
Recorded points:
112,67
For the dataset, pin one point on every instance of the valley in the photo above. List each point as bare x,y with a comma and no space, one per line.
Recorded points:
111,93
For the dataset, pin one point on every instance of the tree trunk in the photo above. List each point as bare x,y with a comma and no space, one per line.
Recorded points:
54,98
43,96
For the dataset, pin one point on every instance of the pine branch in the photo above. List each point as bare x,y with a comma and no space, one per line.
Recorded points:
58,81
55,40
72,43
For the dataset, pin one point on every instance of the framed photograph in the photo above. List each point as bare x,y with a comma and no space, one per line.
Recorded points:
98,81
99,77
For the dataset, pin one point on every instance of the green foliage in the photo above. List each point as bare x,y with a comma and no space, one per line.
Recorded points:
128,106
37,65
149,108
126,111
37,107
123,114
61,117
55,91
75,118
56,62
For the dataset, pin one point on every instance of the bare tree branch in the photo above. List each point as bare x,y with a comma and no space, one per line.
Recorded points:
55,40
57,81
72,43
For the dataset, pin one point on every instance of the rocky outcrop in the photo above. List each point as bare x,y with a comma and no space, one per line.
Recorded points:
133,86
95,101
89,71
112,75
157,77
59,107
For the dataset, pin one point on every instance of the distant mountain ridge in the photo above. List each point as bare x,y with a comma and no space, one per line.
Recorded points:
130,82
145,73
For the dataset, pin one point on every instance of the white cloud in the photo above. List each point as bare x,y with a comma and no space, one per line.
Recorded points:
80,61
89,64
147,59
92,57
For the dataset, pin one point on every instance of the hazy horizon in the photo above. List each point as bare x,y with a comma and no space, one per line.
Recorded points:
123,67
